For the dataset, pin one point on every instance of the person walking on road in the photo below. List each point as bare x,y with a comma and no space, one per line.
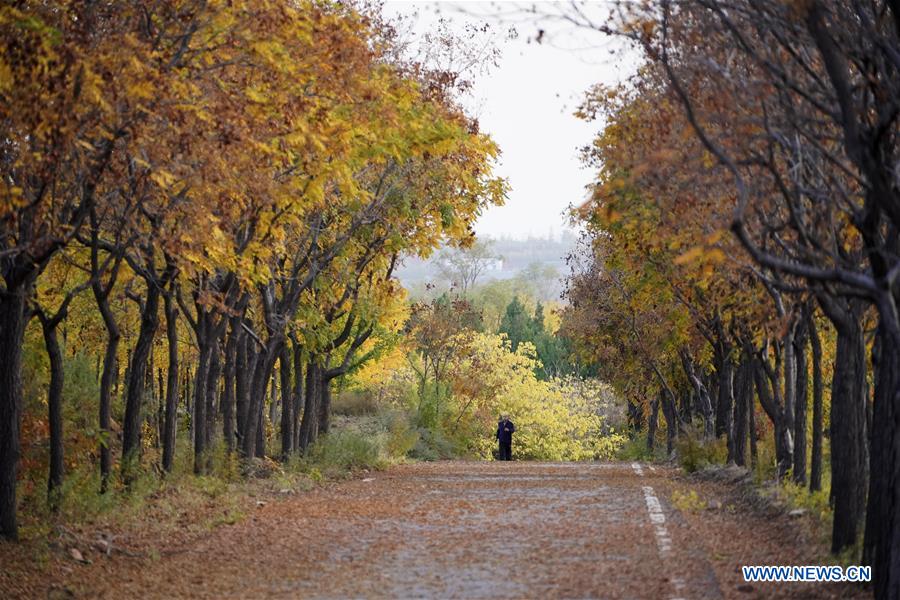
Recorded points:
505,429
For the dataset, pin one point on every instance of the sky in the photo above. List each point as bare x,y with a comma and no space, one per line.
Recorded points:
526,104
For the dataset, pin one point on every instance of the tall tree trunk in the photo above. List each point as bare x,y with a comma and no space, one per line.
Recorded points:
298,395
12,332
171,417
742,403
228,395
848,421
667,403
800,408
789,401
260,449
54,406
308,425
110,372
701,392
324,402
131,436
751,420
815,467
652,422
767,388
725,406
201,379
287,404
882,537
255,425
273,398
212,395
245,364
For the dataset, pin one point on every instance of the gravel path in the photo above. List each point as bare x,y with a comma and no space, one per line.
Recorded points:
475,530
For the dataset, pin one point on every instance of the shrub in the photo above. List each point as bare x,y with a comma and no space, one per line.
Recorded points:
400,437
347,450
695,453
354,403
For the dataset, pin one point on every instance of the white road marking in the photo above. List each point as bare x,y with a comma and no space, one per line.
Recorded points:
663,539
658,518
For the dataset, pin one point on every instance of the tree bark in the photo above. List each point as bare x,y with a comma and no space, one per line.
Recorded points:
245,363
881,548
235,340
54,410
298,395
324,403
255,425
742,405
171,417
212,395
800,408
131,437
652,422
309,425
815,467
201,378
667,403
287,404
848,421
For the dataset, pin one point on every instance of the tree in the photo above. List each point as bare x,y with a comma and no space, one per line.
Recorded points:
463,266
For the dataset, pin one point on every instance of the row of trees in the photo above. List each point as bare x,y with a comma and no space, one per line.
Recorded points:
747,200
248,172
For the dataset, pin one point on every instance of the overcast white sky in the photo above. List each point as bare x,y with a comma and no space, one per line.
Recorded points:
526,105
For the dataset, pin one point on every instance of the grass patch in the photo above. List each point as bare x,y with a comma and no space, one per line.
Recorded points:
695,453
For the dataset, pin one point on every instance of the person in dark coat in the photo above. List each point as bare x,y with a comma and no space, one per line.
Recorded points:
505,429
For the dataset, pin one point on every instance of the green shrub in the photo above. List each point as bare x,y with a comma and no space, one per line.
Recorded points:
354,403
400,437
695,453
432,445
636,449
347,450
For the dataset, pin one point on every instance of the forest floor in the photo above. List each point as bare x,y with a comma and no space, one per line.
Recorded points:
446,530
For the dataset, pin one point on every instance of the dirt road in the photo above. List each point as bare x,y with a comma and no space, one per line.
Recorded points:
478,530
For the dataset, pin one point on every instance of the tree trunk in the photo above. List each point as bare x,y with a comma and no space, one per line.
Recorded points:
324,386
848,422
261,433
228,396
743,402
768,392
212,395
287,404
725,405
171,418
54,406
131,437
245,364
882,538
201,378
751,420
273,398
671,416
254,425
702,394
652,422
800,407
298,395
308,425
12,332
815,467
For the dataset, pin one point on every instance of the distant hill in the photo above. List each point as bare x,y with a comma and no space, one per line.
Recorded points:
515,256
